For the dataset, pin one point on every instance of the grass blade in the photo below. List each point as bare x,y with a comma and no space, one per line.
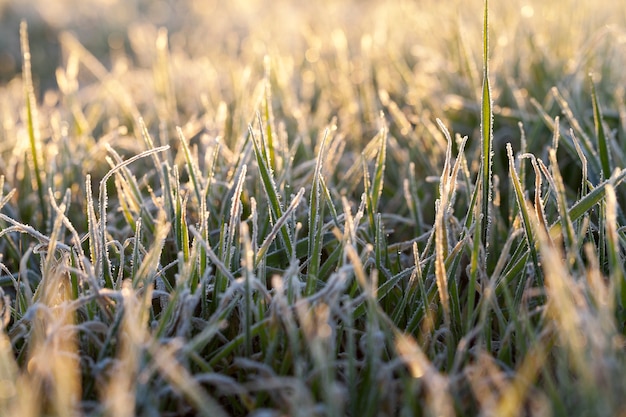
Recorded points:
191,166
486,132
440,269
616,262
526,219
601,137
278,226
316,213
32,121
267,178
379,171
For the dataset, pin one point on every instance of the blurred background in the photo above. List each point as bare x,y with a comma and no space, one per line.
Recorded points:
347,59
522,30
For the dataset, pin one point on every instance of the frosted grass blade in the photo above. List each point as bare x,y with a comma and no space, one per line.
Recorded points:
32,121
525,215
601,137
278,226
379,170
316,213
191,166
486,130
102,252
271,191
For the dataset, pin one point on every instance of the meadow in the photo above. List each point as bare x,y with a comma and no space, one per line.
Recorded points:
333,208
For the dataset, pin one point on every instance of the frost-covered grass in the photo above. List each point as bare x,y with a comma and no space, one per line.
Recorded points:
341,208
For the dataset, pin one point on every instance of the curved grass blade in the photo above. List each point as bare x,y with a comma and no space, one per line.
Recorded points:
102,261
316,210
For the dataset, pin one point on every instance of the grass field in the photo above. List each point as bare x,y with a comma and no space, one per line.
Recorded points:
265,208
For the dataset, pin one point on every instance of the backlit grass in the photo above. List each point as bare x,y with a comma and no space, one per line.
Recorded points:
371,208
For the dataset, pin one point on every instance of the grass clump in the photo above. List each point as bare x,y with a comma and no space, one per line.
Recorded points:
336,215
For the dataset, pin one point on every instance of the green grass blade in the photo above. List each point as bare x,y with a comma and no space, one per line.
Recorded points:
191,166
267,178
525,215
586,203
182,226
32,121
379,170
486,130
601,137
268,118
575,212
248,268
316,220
278,226
556,180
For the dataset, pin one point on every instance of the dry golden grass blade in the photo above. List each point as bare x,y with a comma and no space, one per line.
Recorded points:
438,399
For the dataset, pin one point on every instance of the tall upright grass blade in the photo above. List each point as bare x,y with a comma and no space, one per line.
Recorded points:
316,220
486,131
118,92
379,170
92,224
601,137
102,257
447,192
557,180
33,122
148,270
183,238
